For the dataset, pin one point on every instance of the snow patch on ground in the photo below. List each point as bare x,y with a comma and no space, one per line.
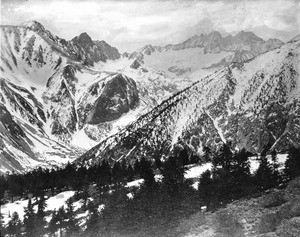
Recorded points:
53,203
196,171
254,162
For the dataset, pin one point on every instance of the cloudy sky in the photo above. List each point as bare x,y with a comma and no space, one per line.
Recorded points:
130,24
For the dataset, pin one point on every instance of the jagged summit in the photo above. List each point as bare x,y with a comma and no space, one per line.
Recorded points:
83,39
214,42
33,24
37,27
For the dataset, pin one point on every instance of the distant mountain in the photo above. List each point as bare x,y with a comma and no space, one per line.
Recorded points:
215,43
253,105
242,46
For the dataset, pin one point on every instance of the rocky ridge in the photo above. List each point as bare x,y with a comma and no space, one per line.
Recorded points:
243,43
253,105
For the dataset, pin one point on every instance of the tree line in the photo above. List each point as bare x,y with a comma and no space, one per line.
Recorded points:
156,208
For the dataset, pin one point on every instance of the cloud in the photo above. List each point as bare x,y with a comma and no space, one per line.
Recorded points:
133,23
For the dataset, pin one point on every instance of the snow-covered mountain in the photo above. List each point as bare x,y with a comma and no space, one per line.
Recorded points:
60,97
253,105
204,51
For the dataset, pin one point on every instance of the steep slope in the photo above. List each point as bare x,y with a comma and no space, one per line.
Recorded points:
23,146
38,84
252,105
204,51
60,92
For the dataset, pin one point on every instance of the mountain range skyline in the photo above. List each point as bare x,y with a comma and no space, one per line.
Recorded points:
129,25
77,93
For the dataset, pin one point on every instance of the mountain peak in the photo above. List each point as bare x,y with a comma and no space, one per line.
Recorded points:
83,39
34,25
84,35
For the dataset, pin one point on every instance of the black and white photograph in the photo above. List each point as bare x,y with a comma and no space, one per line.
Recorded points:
150,118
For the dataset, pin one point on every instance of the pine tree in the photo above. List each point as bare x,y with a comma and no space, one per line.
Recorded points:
276,175
183,157
241,171
206,188
1,216
92,221
117,173
292,164
14,226
57,222
146,173
224,158
53,224
263,175
40,216
207,154
173,175
29,220
71,222
61,220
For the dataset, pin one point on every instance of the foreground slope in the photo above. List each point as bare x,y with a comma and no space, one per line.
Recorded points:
254,105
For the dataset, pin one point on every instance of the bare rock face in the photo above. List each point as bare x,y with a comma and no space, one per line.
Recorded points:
90,51
212,43
115,98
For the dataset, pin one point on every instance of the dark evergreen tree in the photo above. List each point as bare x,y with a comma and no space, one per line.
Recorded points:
292,164
3,187
264,175
53,224
117,172
29,220
72,227
173,175
146,173
276,175
224,158
14,226
92,222
40,216
206,189
130,173
183,157
60,220
207,154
